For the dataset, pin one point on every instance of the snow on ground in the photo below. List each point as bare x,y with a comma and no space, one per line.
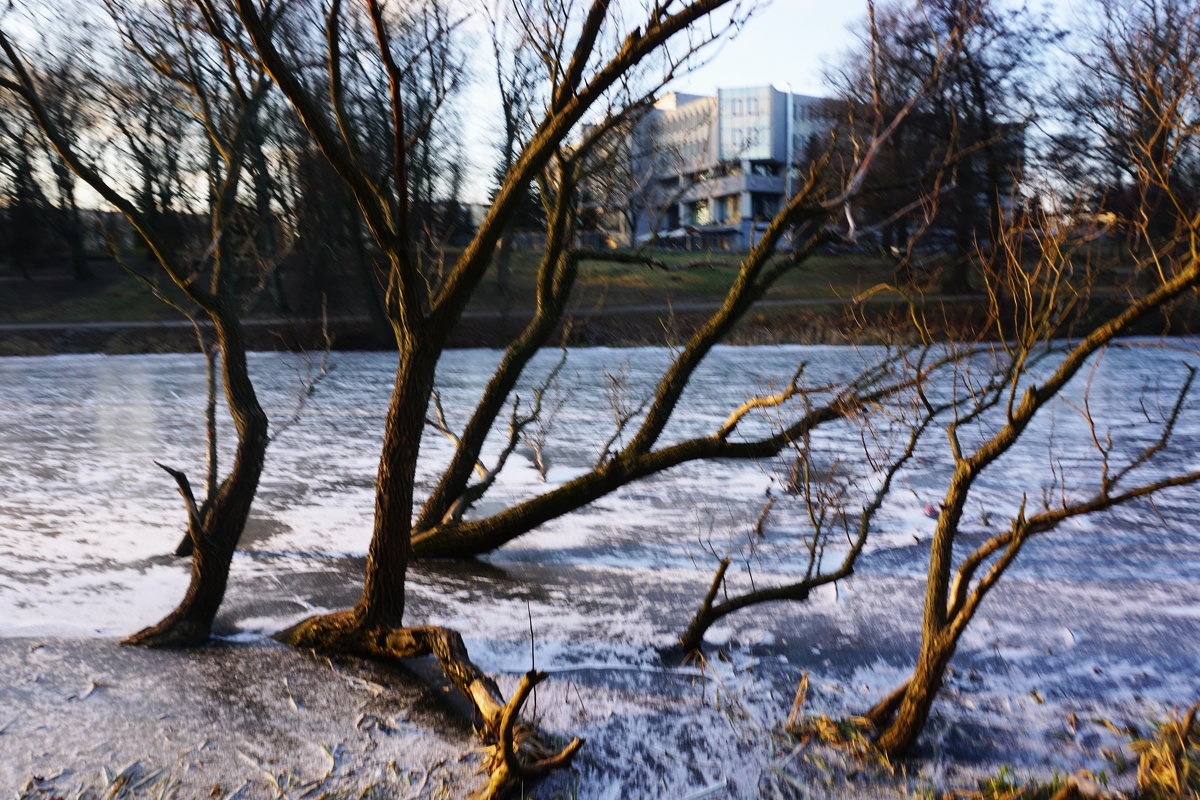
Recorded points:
1097,621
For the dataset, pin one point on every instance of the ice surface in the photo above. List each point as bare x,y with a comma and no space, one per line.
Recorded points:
1097,619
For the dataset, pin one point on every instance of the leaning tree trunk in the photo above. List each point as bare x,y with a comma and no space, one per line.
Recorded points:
382,600
381,605
215,530
373,628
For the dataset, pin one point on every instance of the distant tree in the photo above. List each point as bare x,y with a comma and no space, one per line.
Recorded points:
65,217
1131,110
156,139
620,192
41,221
977,108
518,82
25,204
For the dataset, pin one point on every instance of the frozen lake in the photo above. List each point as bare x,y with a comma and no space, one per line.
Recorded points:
1099,619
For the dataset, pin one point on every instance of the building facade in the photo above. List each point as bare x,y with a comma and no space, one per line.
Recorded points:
715,170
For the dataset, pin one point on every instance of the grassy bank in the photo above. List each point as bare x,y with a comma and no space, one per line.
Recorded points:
615,304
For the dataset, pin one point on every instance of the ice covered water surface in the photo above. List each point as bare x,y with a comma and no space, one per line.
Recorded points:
1100,612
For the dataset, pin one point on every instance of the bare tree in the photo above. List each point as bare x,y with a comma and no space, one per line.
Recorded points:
517,80
424,307
813,216
1131,113
982,398
840,496
1137,97
426,297
1050,325
41,191
220,93
25,199
1036,370
978,108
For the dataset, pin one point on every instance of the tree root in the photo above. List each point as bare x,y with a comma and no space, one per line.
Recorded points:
884,711
518,754
170,634
506,769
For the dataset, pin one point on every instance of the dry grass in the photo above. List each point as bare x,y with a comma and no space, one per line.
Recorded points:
1169,762
852,735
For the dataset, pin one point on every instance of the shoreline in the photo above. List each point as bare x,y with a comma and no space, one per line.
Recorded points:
825,320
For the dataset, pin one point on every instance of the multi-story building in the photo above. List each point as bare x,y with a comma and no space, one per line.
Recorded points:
714,170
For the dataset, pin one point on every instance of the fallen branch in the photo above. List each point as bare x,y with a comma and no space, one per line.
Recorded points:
519,753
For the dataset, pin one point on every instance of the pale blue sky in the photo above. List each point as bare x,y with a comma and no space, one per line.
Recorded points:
791,40
787,40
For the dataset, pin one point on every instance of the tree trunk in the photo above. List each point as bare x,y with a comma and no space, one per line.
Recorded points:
381,605
382,601
374,627
267,245
901,732
216,531
70,221
75,241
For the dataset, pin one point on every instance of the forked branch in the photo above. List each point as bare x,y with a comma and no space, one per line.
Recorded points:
518,751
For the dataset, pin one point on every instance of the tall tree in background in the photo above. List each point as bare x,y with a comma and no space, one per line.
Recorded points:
1131,110
25,200
66,218
518,81
977,109
38,191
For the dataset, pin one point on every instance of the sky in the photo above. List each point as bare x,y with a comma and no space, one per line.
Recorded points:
786,41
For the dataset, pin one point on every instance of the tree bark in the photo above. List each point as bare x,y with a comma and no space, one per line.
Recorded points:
901,732
382,600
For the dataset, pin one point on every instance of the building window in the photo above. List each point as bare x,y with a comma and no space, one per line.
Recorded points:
764,206
732,208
